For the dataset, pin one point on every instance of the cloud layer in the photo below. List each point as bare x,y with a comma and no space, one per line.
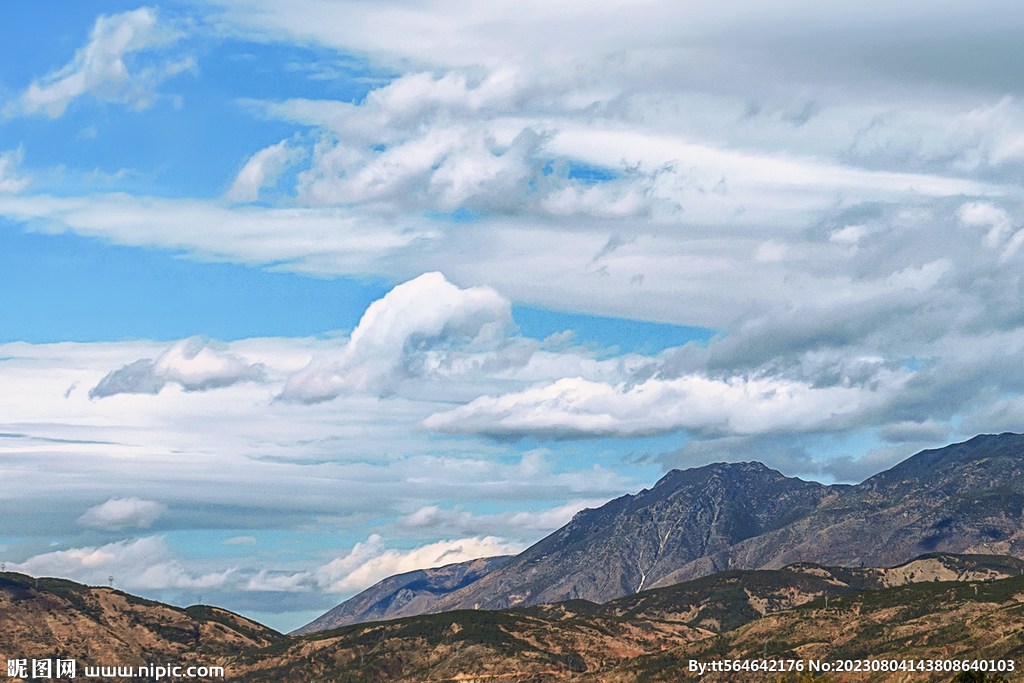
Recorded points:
144,563
577,408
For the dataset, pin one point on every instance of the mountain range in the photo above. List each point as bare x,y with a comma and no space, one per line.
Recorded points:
723,562
964,498
936,606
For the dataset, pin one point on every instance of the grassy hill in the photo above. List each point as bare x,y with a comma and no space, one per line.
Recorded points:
55,618
935,607
653,635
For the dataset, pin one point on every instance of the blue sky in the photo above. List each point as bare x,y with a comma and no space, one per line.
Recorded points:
297,298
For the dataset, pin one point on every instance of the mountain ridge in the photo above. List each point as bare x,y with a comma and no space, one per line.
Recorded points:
403,595
648,636
965,497
48,617
940,606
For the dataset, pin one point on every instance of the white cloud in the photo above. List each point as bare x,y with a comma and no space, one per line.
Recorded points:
435,143
9,180
770,252
193,363
985,214
262,170
140,564
301,111
241,540
1012,246
425,314
118,513
951,139
338,240
989,135
279,582
100,67
370,562
851,234
236,459
424,142
440,520
462,32
578,408
1000,224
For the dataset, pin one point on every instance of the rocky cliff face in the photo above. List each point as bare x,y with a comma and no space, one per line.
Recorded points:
634,541
967,497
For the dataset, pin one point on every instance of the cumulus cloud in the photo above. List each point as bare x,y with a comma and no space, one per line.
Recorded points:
371,561
118,513
438,142
987,215
578,408
396,335
192,363
144,563
147,565
105,68
262,170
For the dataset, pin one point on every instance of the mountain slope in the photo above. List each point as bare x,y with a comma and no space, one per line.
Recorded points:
404,595
731,598
651,636
47,618
920,622
644,637
963,498
966,497
635,540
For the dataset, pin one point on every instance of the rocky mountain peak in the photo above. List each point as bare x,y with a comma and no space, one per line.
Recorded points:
967,497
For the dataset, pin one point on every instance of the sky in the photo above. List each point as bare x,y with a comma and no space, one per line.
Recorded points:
296,296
